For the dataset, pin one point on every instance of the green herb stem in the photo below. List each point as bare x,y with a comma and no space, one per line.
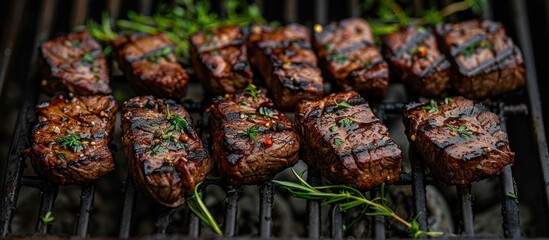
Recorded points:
198,207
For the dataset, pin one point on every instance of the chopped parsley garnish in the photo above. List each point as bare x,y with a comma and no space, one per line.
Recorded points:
338,57
71,142
468,51
338,142
432,107
345,122
87,59
252,133
462,131
266,111
252,91
341,105
448,100
333,129
178,123
328,46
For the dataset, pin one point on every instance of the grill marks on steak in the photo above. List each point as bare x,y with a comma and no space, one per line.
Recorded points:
287,63
165,161
149,63
486,62
220,61
414,57
453,156
252,140
346,142
73,63
70,140
350,58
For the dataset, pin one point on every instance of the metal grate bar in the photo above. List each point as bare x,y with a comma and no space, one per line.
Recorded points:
9,38
337,222
46,205
86,207
163,219
465,199
418,188
194,225
79,13
313,207
232,211
379,221
127,211
290,11
321,11
266,197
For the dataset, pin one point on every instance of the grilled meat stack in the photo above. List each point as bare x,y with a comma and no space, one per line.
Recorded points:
220,61
350,58
414,57
485,60
344,140
287,63
73,63
165,155
70,141
251,139
149,63
460,141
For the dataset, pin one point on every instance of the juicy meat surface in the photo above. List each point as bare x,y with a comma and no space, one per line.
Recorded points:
285,59
349,57
165,156
485,60
251,139
414,57
460,141
220,61
70,140
73,63
343,139
149,63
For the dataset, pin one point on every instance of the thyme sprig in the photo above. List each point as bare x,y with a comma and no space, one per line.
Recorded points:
462,131
71,141
252,133
198,207
252,91
347,197
178,123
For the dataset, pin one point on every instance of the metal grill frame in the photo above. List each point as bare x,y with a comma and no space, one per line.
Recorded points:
14,179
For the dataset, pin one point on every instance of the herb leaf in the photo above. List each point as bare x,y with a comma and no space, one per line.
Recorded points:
48,218
341,105
333,129
512,195
252,91
462,131
338,142
266,111
87,59
178,123
432,107
345,122
448,100
252,133
70,141
198,207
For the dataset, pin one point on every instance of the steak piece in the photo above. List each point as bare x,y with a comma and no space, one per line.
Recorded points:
349,57
287,63
220,61
252,140
485,60
414,58
165,155
73,63
344,140
70,141
460,141
149,63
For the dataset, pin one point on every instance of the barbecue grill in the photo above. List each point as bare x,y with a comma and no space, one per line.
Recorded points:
27,23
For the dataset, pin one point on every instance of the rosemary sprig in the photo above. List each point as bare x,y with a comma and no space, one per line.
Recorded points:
198,207
347,198
252,133
70,141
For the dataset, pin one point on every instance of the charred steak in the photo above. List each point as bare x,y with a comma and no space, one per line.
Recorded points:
414,58
349,57
460,141
165,155
70,141
149,63
344,140
252,140
73,63
287,63
485,60
220,61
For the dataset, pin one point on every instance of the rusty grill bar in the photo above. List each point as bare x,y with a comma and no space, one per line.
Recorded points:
14,179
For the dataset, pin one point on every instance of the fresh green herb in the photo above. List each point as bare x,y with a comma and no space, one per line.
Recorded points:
103,31
333,129
70,141
157,148
252,91
199,208
432,107
462,131
252,133
341,105
48,218
107,51
95,69
347,198
366,64
345,122
512,195
338,142
328,46
243,103
468,51
178,123
75,43
338,57
266,111
60,155
162,53
87,59
448,100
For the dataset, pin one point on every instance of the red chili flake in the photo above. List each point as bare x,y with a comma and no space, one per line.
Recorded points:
268,142
421,51
346,33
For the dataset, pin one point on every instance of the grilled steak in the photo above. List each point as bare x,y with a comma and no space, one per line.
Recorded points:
485,60
285,60
165,155
461,141
349,57
220,61
70,140
73,63
149,63
252,140
344,140
414,57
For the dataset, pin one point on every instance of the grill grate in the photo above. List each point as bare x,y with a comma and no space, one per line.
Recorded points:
417,178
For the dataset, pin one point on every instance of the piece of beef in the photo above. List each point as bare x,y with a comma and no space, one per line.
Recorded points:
251,139
349,57
149,63
287,63
165,156
485,60
460,141
343,139
414,57
73,63
70,141
220,61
